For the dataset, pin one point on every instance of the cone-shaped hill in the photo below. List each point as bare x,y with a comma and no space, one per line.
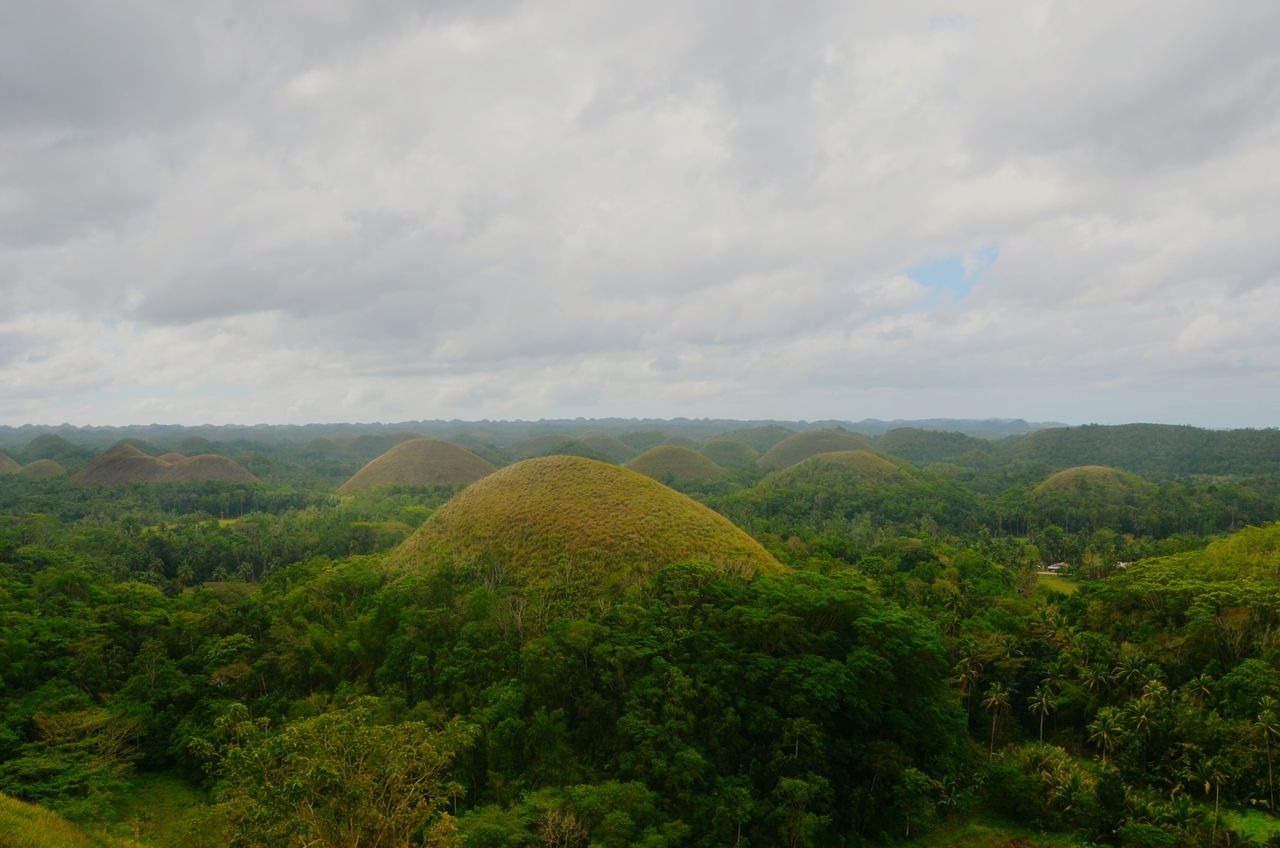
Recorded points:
42,469
827,491
420,462
676,464
125,465
730,453
8,465
1090,480
563,520
801,446
602,447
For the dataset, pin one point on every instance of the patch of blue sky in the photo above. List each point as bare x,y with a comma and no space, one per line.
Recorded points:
957,274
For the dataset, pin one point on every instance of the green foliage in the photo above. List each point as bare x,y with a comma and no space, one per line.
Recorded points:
800,446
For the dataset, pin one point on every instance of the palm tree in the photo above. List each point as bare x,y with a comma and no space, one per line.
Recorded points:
1200,689
995,699
1042,703
1128,670
1268,725
1140,714
1104,730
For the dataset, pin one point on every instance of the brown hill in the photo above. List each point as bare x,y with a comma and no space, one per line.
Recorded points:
9,465
560,520
42,469
420,462
125,464
676,464
801,446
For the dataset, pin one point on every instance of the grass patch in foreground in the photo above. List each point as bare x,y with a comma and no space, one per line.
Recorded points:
986,834
1254,824
1056,583
168,812
25,825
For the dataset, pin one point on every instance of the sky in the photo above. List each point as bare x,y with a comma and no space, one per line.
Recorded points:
373,210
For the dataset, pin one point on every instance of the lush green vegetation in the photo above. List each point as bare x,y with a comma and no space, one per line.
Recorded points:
568,653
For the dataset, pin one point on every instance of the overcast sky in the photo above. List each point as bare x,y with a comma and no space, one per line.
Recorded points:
357,211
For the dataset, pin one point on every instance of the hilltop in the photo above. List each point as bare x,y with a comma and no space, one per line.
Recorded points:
125,464
676,464
801,446
420,462
828,491
565,519
730,453
1153,449
42,469
1089,480
8,465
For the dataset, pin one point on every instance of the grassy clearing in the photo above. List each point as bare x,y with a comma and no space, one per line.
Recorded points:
28,826
979,834
1056,583
167,812
1254,824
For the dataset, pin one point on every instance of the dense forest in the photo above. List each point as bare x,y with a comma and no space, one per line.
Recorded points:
1062,637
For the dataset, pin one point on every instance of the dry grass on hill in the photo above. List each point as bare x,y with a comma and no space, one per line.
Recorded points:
125,464
420,462
801,446
9,465
676,464
42,469
573,520
25,825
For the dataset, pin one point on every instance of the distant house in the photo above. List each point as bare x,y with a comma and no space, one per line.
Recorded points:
1057,567
1123,565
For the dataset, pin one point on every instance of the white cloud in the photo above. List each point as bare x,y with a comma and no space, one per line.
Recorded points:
249,213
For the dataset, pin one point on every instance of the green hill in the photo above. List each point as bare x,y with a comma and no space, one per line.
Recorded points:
1155,449
676,464
760,438
124,464
25,825
926,446
56,448
8,465
1090,481
828,491
801,446
730,453
420,462
42,469
570,520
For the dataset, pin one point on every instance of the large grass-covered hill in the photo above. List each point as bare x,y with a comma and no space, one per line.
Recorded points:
420,462
566,519
676,464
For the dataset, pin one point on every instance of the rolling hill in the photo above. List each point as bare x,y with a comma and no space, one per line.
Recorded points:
676,464
125,464
730,453
801,446
1155,449
8,465
25,825
42,469
568,520
420,462
1090,481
